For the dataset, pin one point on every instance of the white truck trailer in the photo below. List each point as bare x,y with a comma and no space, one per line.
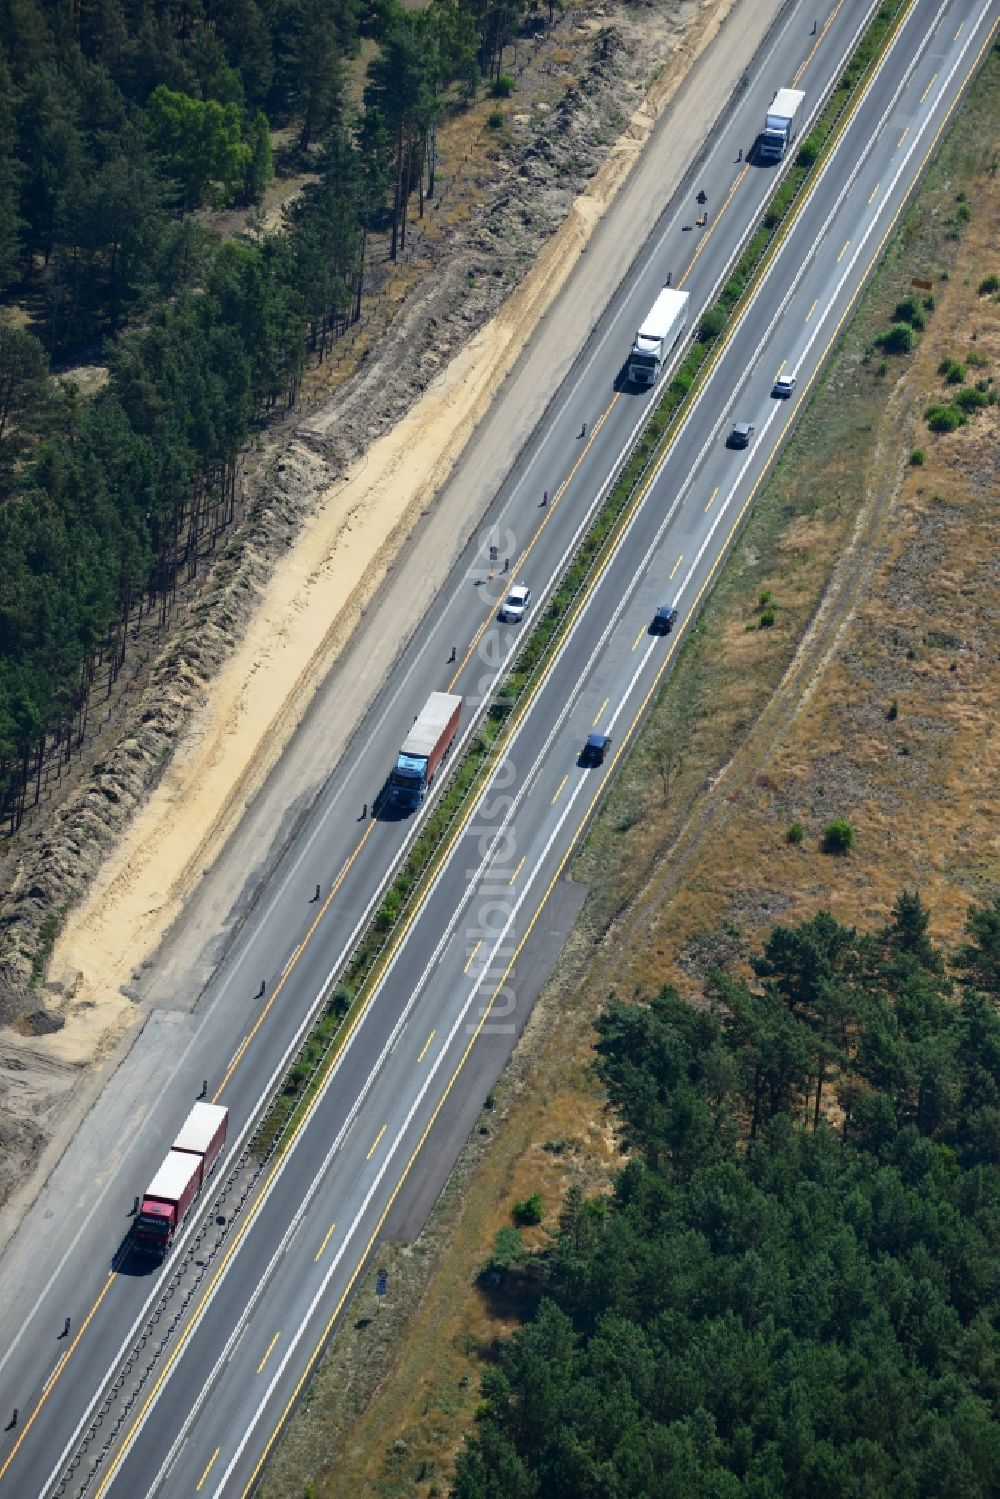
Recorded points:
659,333
779,124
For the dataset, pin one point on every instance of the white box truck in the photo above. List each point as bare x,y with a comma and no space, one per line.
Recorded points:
660,330
778,126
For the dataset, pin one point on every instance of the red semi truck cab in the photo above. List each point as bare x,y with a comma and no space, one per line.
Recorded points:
180,1178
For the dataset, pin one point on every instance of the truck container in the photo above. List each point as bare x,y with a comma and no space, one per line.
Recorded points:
779,124
424,747
203,1133
180,1178
660,331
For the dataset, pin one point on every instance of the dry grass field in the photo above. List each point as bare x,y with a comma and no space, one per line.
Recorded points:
871,697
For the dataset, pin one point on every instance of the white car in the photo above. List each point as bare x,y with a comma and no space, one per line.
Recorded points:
514,605
783,387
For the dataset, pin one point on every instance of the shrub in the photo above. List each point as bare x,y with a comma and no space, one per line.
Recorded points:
765,598
838,837
507,1247
712,324
952,371
896,340
917,457
971,399
943,418
989,284
893,712
528,1211
910,311
767,619
963,213
495,119
503,86
796,833
808,153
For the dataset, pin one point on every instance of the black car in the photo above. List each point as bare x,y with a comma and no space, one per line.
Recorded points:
595,750
663,620
741,434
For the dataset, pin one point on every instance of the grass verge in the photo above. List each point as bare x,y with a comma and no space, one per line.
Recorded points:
880,576
375,948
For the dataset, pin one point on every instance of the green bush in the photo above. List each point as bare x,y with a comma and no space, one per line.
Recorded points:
896,340
528,1211
838,837
953,372
503,86
943,418
508,1246
910,311
495,119
971,399
917,457
712,324
796,833
989,284
893,710
767,619
808,152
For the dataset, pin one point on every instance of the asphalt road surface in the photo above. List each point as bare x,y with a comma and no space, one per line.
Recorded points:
223,1357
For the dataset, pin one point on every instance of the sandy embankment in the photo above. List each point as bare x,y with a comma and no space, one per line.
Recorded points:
314,600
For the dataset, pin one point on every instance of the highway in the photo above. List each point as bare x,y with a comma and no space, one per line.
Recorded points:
461,977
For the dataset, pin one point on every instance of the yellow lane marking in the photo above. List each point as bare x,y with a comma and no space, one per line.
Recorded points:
517,871
300,1124
874,191
378,1141
715,491
927,90
487,1009
601,709
56,1371
427,1043
208,1469
902,137
326,1236
52,1381
564,486
958,33
642,632
829,22
335,890
292,960
270,1350
843,251
812,309
473,954
595,429
713,226
676,566
559,788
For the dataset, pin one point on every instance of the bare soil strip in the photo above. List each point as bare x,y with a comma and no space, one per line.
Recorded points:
334,507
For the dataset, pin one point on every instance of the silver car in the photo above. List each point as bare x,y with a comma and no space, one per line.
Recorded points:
514,605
